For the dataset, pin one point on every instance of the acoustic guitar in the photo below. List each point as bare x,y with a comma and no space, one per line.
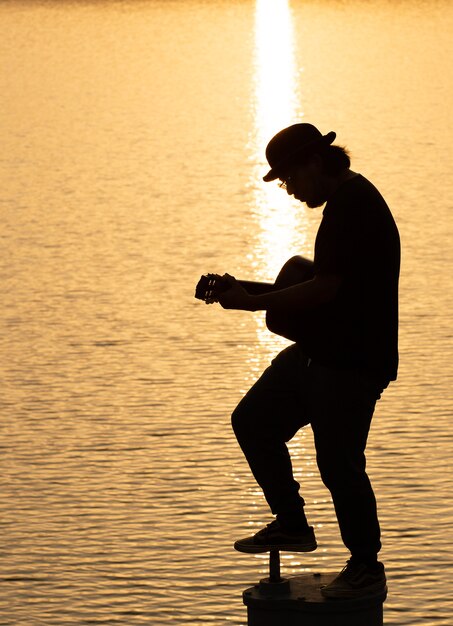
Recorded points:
296,270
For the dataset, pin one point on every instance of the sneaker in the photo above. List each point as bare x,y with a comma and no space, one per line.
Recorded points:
357,580
274,538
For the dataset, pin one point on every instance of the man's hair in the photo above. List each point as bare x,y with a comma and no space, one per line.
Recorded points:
335,159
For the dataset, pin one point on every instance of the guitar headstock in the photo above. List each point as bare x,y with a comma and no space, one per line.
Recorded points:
209,286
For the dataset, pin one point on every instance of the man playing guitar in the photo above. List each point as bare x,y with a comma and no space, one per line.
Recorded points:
341,312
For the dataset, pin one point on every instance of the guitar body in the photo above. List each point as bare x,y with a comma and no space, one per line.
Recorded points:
296,270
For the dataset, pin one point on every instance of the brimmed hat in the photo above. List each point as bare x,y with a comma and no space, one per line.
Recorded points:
291,145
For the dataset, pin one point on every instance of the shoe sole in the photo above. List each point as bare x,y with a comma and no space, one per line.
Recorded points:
286,547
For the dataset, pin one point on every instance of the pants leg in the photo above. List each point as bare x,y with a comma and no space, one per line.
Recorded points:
267,417
341,405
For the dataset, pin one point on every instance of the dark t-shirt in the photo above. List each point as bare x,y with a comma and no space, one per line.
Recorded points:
357,239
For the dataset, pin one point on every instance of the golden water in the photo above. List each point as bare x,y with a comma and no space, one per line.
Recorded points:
132,156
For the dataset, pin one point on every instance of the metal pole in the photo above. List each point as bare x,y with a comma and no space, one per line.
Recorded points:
274,567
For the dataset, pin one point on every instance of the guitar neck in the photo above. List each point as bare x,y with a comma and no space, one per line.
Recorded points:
256,288
296,270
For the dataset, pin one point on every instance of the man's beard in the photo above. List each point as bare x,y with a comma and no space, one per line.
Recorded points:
315,202
317,197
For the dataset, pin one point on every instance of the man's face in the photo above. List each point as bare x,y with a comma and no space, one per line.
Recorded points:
306,183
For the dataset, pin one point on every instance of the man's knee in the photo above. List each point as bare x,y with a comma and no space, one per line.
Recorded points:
249,419
241,421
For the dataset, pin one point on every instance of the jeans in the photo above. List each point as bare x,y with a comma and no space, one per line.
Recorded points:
291,393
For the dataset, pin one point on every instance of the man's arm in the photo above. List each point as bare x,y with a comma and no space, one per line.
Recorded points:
301,297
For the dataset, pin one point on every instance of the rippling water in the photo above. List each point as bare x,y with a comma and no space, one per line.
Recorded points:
132,137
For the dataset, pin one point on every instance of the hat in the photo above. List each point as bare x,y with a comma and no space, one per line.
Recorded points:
291,145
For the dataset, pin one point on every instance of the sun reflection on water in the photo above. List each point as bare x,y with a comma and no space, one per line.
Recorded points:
282,232
276,106
274,69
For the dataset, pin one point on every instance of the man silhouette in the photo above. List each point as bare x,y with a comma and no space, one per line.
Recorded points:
344,354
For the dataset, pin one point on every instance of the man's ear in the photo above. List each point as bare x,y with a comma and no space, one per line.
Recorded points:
315,163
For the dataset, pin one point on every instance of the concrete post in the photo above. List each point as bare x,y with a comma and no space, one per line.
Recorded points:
297,601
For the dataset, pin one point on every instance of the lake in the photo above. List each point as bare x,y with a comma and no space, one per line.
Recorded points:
133,138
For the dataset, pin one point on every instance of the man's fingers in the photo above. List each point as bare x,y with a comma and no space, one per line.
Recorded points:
229,279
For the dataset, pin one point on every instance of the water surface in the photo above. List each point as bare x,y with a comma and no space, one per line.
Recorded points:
132,156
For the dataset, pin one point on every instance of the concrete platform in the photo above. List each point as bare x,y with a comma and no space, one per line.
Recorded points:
297,601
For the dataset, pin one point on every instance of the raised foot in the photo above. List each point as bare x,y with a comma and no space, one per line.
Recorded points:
272,537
